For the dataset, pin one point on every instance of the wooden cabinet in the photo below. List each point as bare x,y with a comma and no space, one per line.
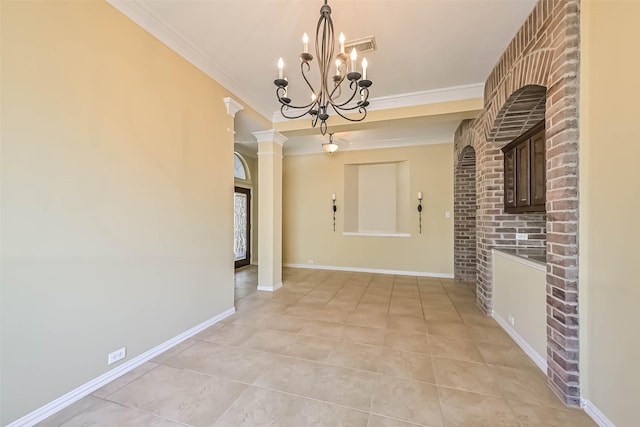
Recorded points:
525,172
510,179
538,168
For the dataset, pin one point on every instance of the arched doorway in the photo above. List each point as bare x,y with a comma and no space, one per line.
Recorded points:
241,212
464,209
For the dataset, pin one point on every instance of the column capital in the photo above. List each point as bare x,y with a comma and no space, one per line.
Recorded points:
233,106
270,136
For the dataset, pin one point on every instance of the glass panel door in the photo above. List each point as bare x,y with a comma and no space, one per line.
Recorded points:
242,226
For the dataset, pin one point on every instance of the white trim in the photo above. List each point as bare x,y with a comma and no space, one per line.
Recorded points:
524,345
595,413
233,106
368,234
434,96
534,264
268,153
270,288
370,270
78,393
270,136
170,37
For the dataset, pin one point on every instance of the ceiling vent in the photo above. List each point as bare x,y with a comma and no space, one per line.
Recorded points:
365,44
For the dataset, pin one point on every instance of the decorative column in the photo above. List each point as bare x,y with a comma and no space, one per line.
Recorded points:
270,209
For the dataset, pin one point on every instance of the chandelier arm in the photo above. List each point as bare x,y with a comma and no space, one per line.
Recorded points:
280,91
309,107
353,95
338,87
286,107
304,76
361,110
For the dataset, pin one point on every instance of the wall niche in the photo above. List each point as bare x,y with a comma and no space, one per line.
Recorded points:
376,199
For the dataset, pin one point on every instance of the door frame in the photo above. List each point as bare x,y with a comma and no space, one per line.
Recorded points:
247,192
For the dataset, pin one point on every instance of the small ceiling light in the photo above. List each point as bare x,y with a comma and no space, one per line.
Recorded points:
330,147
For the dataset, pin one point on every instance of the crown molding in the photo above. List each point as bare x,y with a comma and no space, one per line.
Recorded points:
163,32
434,96
425,97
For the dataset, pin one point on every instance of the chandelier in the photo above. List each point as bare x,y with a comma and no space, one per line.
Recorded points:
328,98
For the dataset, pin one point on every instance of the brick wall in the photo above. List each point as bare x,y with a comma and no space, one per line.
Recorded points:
464,213
536,78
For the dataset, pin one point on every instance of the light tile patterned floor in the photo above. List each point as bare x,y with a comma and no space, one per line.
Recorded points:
336,349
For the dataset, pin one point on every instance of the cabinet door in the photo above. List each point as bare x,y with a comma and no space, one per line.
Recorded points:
538,169
522,174
510,179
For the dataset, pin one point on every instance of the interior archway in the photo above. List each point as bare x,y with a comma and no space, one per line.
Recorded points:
464,209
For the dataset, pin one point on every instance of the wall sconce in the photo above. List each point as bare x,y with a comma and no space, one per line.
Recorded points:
333,199
420,210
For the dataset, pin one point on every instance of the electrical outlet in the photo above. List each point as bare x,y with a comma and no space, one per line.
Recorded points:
522,236
511,320
310,261
447,214
117,355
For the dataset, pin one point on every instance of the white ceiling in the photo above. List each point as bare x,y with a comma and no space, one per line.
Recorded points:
422,44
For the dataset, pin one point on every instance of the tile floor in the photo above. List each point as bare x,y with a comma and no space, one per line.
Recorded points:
336,349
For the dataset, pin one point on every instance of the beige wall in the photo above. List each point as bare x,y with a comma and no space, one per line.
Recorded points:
520,290
609,206
309,181
117,184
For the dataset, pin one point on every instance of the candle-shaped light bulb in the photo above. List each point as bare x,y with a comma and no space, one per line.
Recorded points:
354,57
280,68
338,64
305,42
419,195
364,68
333,197
341,38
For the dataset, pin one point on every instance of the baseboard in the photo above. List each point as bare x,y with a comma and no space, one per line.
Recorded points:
371,270
270,288
596,414
62,402
540,361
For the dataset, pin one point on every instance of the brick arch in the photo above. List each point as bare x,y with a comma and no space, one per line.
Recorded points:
520,111
465,136
543,54
531,71
524,108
